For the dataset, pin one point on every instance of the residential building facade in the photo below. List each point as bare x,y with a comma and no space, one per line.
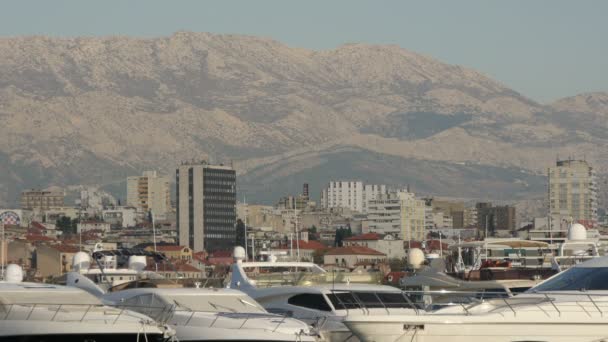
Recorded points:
412,217
149,192
384,215
354,195
495,220
573,192
206,206
353,256
42,199
388,244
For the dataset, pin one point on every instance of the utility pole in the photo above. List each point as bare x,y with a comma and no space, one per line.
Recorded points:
297,232
246,214
3,250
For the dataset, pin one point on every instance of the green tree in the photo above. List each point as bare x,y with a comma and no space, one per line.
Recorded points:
312,233
64,224
397,264
340,235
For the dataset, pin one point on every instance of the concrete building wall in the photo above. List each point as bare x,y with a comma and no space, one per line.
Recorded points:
42,199
350,260
412,217
149,191
573,191
354,195
206,207
384,215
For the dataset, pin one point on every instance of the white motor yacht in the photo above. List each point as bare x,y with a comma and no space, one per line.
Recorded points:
36,312
570,306
198,314
307,292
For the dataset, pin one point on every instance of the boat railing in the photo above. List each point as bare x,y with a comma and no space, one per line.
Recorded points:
550,303
181,316
98,313
263,280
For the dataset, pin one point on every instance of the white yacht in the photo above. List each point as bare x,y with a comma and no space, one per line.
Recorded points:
36,312
432,278
115,267
198,314
570,306
307,292
497,258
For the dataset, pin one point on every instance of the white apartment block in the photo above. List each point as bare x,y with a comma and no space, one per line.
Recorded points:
399,214
412,217
354,195
149,191
384,215
572,192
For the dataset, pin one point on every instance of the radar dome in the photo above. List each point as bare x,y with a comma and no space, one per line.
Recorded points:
415,257
239,253
81,262
137,262
577,232
13,273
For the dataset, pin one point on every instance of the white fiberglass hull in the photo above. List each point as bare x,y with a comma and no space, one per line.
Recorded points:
431,328
210,326
23,330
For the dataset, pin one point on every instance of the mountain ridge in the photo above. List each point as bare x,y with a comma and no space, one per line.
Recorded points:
128,104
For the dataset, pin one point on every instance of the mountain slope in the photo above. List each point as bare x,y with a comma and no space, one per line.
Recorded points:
92,110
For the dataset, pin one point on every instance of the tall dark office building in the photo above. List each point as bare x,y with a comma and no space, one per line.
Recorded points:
206,206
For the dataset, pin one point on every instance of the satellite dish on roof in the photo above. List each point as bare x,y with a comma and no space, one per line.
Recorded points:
13,274
415,258
239,254
577,232
81,262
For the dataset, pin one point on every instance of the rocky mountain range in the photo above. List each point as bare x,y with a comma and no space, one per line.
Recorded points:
93,110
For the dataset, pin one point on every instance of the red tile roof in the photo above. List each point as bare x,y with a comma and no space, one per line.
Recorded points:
66,248
220,254
311,244
353,250
37,225
169,248
168,268
367,236
430,244
37,237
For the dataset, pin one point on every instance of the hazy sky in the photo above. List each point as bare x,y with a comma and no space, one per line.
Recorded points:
543,49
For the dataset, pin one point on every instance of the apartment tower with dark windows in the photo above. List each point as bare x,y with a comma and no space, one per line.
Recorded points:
206,206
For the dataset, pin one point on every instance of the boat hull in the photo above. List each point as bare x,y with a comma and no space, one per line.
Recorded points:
455,331
52,331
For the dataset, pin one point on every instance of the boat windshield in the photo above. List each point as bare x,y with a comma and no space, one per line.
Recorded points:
356,300
291,276
240,304
576,279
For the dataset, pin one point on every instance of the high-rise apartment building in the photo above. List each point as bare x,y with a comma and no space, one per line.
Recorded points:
495,220
573,192
400,214
412,217
42,199
206,206
149,192
384,215
353,195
